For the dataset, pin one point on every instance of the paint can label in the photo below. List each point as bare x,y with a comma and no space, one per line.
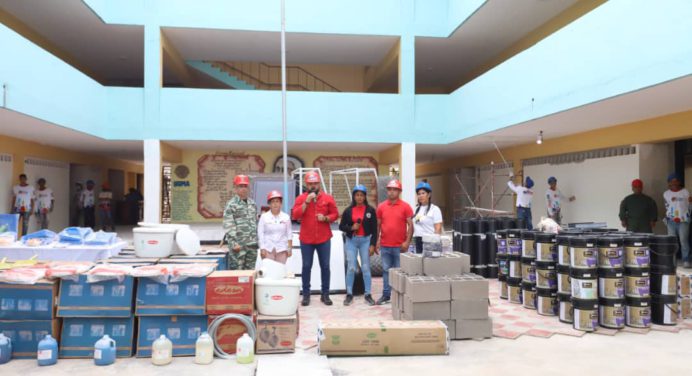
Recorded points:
611,317
637,257
546,252
669,285
583,257
584,289
611,288
503,290
547,306
610,258
585,320
670,315
514,269
514,294
638,317
546,279
514,246
563,255
529,299
566,312
637,287
564,283
527,248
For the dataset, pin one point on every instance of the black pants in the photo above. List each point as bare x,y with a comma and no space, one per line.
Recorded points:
418,241
90,217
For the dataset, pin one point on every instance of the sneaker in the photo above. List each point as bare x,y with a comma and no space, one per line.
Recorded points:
382,300
369,300
306,300
687,264
349,300
325,299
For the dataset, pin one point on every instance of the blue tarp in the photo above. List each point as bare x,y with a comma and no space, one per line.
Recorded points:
74,235
100,238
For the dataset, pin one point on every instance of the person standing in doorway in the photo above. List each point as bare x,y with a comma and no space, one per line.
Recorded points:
44,203
553,200
677,218
76,205
88,202
274,231
524,199
395,227
427,219
638,212
106,208
359,224
240,224
23,202
315,210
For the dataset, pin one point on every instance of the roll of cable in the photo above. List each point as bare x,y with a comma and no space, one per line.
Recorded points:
214,326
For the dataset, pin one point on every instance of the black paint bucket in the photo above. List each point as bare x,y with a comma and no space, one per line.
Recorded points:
663,250
564,281
664,284
546,275
514,242
611,283
585,315
468,226
482,226
467,244
562,242
491,245
584,284
528,270
502,279
528,249
493,271
664,309
514,290
637,282
546,249
583,252
528,295
480,253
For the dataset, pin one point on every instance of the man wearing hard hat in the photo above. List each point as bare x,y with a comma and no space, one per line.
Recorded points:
315,210
240,224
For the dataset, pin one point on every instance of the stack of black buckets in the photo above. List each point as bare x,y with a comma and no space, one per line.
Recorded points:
477,238
601,277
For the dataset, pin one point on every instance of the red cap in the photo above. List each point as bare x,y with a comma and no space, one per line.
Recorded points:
241,179
274,194
394,184
312,177
637,183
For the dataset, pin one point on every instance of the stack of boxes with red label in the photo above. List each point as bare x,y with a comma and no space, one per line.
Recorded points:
441,288
231,291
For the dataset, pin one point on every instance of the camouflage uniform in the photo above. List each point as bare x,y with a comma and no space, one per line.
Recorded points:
240,224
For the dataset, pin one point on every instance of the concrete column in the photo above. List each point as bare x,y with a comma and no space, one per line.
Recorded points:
152,181
407,172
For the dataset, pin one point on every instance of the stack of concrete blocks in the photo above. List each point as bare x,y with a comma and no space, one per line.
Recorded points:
442,289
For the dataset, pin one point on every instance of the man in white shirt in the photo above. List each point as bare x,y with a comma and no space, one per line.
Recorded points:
88,201
524,199
678,214
23,202
44,203
553,199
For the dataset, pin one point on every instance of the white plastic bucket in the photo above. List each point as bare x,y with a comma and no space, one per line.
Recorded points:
188,239
277,297
153,241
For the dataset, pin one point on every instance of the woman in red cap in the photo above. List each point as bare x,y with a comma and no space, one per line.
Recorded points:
274,231
316,211
638,212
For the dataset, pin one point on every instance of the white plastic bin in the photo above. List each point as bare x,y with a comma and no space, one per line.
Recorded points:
277,297
153,241
189,239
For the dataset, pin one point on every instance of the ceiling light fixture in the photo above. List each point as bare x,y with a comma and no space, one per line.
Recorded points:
539,139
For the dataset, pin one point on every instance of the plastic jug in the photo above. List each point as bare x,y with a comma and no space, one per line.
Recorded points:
162,351
204,349
5,349
47,354
245,349
104,351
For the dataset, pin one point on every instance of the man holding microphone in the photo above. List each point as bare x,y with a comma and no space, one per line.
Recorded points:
315,210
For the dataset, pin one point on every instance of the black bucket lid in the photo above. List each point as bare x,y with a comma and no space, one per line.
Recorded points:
545,265
611,241
563,269
584,304
514,281
502,256
514,257
637,272
612,302
611,273
564,297
528,286
528,260
638,302
546,292
583,241
583,273
633,239
528,234
502,234
663,299
545,237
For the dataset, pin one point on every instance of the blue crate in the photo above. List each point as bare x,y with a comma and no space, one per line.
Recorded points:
28,302
101,299
79,335
183,331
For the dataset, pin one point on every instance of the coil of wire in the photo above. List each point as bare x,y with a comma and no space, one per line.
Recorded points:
214,326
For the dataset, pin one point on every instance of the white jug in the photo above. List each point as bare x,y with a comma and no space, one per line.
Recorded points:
204,349
245,350
162,351
272,270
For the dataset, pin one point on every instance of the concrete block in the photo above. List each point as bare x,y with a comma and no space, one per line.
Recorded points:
411,263
470,329
449,264
422,289
469,287
427,311
451,328
470,309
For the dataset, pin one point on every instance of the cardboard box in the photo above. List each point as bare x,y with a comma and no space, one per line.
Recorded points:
276,334
471,329
231,291
186,297
394,279
684,307
469,287
28,302
475,309
684,285
451,328
448,264
411,263
229,332
427,311
110,298
183,331
80,334
25,335
422,289
370,337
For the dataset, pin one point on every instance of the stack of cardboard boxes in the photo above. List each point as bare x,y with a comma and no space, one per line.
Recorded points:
442,289
684,294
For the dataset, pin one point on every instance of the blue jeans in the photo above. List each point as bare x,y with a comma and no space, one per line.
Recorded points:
525,213
390,259
307,251
358,245
682,231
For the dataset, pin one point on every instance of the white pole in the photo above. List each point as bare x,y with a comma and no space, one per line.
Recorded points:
283,102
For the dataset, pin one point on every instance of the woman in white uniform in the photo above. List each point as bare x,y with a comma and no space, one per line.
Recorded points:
427,218
274,231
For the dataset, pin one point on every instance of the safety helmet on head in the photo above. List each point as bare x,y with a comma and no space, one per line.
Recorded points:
274,194
394,184
552,180
312,177
360,188
241,179
529,182
424,185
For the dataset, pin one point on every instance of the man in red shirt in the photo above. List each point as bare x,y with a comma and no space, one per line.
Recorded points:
316,211
395,226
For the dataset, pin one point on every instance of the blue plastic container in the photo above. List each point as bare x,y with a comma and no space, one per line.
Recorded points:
5,349
104,351
47,354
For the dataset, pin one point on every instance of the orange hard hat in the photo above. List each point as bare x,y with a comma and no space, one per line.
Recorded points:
105,186
274,194
312,177
394,184
241,179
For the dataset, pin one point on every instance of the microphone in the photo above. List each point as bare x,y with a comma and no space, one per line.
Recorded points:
358,221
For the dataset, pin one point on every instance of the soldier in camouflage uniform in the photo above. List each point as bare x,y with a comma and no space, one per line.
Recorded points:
240,224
